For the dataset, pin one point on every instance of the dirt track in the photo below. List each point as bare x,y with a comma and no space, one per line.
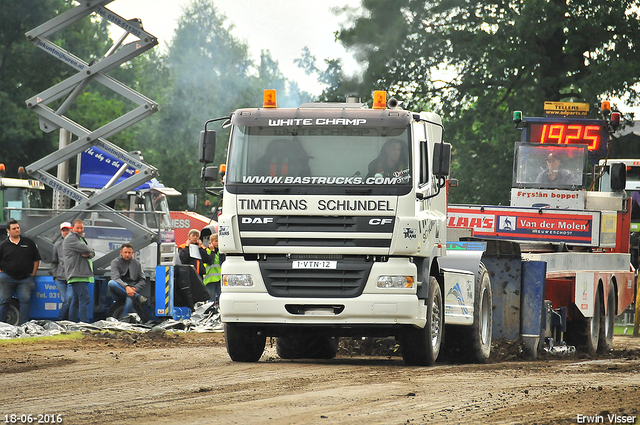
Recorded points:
189,379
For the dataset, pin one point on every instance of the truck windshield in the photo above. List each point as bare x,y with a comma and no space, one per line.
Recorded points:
156,201
315,156
549,167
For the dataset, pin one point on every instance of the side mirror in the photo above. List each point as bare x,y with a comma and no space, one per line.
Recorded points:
207,146
618,176
210,174
441,159
192,201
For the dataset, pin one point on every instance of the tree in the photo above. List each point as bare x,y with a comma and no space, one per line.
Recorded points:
207,73
477,61
332,76
26,70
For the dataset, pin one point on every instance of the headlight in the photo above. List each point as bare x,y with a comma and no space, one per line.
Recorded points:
237,280
395,282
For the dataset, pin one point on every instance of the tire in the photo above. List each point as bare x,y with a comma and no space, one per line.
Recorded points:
584,332
480,332
593,325
302,346
117,308
13,313
244,343
421,346
605,340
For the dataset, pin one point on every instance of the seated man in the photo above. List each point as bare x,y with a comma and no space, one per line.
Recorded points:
554,175
127,278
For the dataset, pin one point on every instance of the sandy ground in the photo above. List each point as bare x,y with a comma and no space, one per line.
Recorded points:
189,379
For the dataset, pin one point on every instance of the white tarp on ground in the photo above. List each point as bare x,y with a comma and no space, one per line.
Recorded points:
205,318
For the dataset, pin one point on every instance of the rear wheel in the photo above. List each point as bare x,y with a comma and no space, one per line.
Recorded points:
301,346
605,341
244,343
585,331
593,325
421,346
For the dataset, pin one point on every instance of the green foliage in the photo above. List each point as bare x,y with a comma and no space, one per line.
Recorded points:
332,76
207,73
26,70
477,61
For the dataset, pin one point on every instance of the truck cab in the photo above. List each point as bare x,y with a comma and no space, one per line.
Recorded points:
21,194
334,219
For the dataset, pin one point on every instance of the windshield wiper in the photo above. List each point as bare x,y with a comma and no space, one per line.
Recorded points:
358,191
276,189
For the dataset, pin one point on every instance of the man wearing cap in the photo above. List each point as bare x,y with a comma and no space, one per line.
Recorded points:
19,261
58,273
554,175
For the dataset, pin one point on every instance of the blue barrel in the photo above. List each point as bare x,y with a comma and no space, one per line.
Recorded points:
46,302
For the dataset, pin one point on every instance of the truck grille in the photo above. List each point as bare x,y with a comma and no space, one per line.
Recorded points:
346,281
263,231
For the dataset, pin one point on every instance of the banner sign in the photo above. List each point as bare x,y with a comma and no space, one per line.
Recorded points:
527,224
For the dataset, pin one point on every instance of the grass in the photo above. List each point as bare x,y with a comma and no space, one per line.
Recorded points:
623,329
33,340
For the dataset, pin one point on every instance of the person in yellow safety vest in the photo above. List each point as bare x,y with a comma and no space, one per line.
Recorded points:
213,275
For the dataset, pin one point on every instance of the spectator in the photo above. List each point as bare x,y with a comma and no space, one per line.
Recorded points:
78,269
127,279
213,273
194,252
58,273
19,261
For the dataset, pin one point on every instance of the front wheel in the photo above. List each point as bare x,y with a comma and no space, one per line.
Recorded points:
244,343
480,332
421,347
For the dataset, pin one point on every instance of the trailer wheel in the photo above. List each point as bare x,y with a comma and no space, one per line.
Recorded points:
13,314
117,308
585,332
421,347
301,346
480,332
594,324
605,340
244,343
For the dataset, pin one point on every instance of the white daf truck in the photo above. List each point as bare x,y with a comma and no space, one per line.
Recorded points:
334,225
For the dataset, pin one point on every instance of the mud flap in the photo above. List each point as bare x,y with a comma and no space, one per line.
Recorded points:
504,264
532,307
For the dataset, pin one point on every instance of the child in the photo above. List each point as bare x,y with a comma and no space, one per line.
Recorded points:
213,273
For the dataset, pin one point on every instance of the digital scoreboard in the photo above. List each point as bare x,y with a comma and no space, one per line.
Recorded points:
567,131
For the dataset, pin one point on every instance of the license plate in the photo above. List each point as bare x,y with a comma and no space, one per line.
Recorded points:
315,264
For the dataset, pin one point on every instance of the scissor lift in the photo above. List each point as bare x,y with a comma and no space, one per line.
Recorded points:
51,120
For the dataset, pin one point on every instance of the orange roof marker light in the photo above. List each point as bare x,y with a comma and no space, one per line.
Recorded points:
379,99
269,99
605,107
